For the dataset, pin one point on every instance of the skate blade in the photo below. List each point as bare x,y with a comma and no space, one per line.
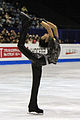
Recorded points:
35,113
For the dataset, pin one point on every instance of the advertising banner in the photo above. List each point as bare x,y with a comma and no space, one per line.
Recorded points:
10,52
70,51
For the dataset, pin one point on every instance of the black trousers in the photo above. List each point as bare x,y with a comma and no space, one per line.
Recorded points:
37,60
36,73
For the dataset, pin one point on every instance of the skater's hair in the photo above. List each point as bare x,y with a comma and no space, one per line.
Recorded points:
42,43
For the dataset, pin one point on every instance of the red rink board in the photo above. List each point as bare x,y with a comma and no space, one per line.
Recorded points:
9,52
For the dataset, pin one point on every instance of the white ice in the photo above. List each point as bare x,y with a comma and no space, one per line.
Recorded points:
59,93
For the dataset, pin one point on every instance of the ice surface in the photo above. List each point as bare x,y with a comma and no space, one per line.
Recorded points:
59,93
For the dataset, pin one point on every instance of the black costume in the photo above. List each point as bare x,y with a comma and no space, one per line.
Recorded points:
38,60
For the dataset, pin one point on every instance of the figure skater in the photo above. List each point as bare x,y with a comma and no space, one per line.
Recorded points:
38,60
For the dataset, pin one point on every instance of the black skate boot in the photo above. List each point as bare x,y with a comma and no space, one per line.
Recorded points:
25,18
35,110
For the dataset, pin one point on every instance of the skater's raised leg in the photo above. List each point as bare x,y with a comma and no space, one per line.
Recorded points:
35,58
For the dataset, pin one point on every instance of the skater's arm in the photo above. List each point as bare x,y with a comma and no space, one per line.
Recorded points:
48,28
54,27
43,37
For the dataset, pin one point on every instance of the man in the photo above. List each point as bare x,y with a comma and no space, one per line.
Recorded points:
39,60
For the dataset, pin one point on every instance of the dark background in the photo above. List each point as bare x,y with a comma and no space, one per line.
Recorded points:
65,14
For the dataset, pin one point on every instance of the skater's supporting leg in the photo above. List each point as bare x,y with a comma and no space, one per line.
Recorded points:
36,71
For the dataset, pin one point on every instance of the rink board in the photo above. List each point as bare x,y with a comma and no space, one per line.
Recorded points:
10,54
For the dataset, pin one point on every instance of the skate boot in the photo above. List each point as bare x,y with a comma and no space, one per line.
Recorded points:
35,110
25,18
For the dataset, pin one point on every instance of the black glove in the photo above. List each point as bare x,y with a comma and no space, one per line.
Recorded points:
41,19
44,20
